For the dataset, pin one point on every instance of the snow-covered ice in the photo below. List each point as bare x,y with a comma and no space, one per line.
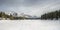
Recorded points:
29,24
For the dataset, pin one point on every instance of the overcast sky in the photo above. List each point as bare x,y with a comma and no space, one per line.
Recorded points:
31,7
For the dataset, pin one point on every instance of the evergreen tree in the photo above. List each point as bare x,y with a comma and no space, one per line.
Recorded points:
51,15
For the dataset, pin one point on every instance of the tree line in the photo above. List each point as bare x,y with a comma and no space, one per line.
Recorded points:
11,17
51,15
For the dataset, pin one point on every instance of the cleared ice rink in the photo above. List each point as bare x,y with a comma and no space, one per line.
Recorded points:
29,24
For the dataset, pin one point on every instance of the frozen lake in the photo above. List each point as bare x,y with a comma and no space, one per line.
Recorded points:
29,24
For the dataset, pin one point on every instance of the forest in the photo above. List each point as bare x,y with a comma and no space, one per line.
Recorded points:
51,15
11,17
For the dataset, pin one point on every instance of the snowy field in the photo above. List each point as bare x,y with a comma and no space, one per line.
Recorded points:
29,24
